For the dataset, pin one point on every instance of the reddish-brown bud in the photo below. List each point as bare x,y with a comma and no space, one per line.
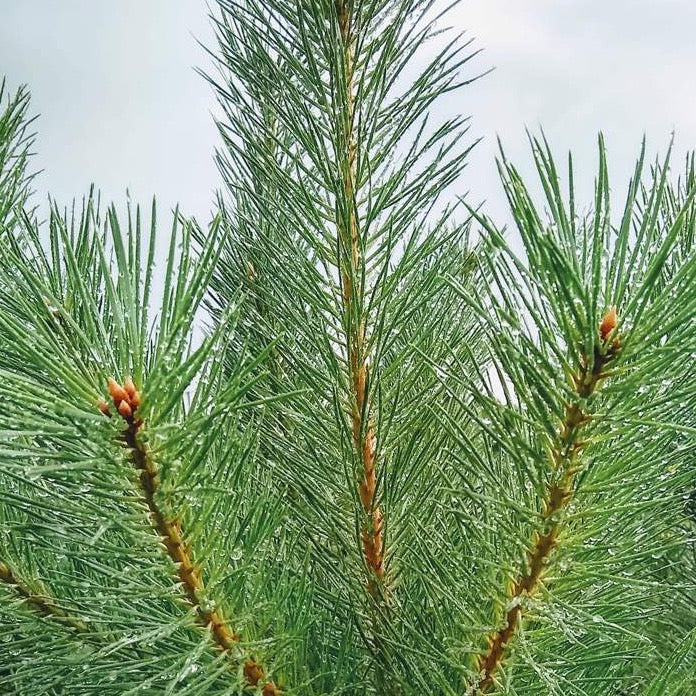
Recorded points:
608,323
103,407
135,399
253,672
270,689
129,386
118,393
124,409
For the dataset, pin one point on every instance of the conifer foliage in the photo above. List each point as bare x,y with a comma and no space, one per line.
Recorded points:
348,437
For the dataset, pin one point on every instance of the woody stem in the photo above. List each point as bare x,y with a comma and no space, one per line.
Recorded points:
170,531
362,417
41,604
565,452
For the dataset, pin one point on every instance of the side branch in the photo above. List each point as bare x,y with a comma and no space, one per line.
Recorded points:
127,399
565,453
41,604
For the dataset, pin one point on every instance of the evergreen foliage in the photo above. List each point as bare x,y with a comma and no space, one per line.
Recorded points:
15,142
401,458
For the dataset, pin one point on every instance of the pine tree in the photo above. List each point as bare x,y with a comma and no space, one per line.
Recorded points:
399,457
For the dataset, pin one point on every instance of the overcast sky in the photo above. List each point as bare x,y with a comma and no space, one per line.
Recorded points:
120,104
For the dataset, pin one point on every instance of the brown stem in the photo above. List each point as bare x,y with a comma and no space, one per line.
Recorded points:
169,529
362,419
41,604
171,534
564,457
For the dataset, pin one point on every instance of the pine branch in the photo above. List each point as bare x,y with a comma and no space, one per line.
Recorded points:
353,292
337,247
565,451
126,399
70,318
566,478
15,143
42,604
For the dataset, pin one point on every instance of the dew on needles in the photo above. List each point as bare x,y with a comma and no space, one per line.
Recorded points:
344,438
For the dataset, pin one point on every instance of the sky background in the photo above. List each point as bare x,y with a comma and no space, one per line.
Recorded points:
121,106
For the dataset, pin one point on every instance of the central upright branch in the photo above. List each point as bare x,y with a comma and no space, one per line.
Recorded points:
352,270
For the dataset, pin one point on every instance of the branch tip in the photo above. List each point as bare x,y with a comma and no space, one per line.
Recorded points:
126,398
608,323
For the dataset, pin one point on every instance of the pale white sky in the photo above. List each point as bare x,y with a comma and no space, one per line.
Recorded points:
121,106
